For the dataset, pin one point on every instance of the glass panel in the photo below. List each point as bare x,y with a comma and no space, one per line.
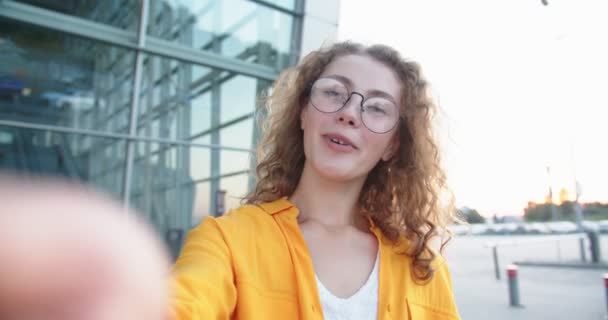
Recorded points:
287,4
200,160
202,204
183,101
96,161
176,98
163,189
236,105
235,28
236,189
238,135
233,161
123,14
200,119
52,78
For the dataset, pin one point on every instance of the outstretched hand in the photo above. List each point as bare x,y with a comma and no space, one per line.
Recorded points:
67,253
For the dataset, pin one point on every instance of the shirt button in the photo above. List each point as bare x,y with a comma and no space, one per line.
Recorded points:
313,308
388,307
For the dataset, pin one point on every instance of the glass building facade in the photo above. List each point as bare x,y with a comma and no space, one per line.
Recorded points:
152,101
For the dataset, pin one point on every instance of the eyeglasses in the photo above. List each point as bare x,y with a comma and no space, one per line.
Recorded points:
378,114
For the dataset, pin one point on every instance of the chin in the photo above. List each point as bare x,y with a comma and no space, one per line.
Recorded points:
335,171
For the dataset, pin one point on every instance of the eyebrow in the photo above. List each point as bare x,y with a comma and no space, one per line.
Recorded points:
373,92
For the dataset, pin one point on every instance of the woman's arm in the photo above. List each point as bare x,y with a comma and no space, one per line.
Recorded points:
203,279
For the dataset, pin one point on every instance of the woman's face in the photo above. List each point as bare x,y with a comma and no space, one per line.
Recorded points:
339,145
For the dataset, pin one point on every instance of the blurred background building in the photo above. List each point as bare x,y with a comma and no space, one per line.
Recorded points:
152,101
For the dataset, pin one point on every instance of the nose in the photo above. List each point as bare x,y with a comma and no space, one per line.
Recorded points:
350,113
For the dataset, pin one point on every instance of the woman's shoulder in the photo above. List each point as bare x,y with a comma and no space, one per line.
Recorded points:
243,231
250,216
244,215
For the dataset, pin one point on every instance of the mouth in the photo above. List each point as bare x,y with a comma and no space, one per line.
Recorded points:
339,140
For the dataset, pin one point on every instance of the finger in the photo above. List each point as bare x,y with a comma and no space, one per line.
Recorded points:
69,252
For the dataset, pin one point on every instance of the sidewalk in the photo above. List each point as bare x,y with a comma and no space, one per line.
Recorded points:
546,293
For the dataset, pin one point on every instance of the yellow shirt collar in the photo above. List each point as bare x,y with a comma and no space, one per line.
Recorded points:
284,205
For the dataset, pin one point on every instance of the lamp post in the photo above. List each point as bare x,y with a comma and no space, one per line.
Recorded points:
577,188
553,209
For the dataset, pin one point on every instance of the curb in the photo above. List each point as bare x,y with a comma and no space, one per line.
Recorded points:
572,265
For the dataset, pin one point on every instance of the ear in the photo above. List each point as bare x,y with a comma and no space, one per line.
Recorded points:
391,149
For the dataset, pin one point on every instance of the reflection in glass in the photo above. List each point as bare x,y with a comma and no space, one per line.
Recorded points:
235,28
237,105
51,78
58,79
233,136
236,190
238,135
200,118
200,160
96,161
234,161
179,100
162,187
123,14
286,4
201,202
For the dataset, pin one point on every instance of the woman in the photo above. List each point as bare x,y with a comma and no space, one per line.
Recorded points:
347,202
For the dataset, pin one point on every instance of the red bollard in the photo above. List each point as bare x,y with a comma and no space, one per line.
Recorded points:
513,285
606,289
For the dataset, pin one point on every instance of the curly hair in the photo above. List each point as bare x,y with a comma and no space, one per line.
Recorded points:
402,196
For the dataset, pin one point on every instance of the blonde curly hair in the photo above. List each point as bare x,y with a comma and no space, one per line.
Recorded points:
404,197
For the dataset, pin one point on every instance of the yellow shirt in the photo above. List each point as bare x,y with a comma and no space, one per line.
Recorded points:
253,263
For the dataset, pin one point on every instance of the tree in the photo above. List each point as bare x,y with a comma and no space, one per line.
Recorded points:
538,212
542,211
471,216
566,210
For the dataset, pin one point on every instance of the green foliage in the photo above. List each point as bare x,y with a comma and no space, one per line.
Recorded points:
539,212
566,211
471,216
596,211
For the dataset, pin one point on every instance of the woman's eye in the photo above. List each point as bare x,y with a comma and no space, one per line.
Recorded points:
376,109
332,93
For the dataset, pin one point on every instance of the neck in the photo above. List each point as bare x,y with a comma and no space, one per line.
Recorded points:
329,202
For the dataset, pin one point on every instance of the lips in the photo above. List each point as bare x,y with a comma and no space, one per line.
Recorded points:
340,140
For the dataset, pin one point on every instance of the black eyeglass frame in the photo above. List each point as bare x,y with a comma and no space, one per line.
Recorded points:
350,95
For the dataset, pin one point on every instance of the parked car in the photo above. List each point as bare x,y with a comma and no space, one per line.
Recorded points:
460,230
536,228
562,227
70,100
591,226
501,228
603,226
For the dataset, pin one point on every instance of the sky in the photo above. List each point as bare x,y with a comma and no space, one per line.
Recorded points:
520,86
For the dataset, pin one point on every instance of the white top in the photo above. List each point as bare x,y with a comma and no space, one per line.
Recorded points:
362,305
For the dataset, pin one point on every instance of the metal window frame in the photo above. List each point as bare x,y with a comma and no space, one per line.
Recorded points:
296,32
142,44
134,112
66,23
116,136
104,33
270,5
196,181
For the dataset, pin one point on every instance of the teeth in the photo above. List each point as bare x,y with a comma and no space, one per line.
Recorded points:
338,141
